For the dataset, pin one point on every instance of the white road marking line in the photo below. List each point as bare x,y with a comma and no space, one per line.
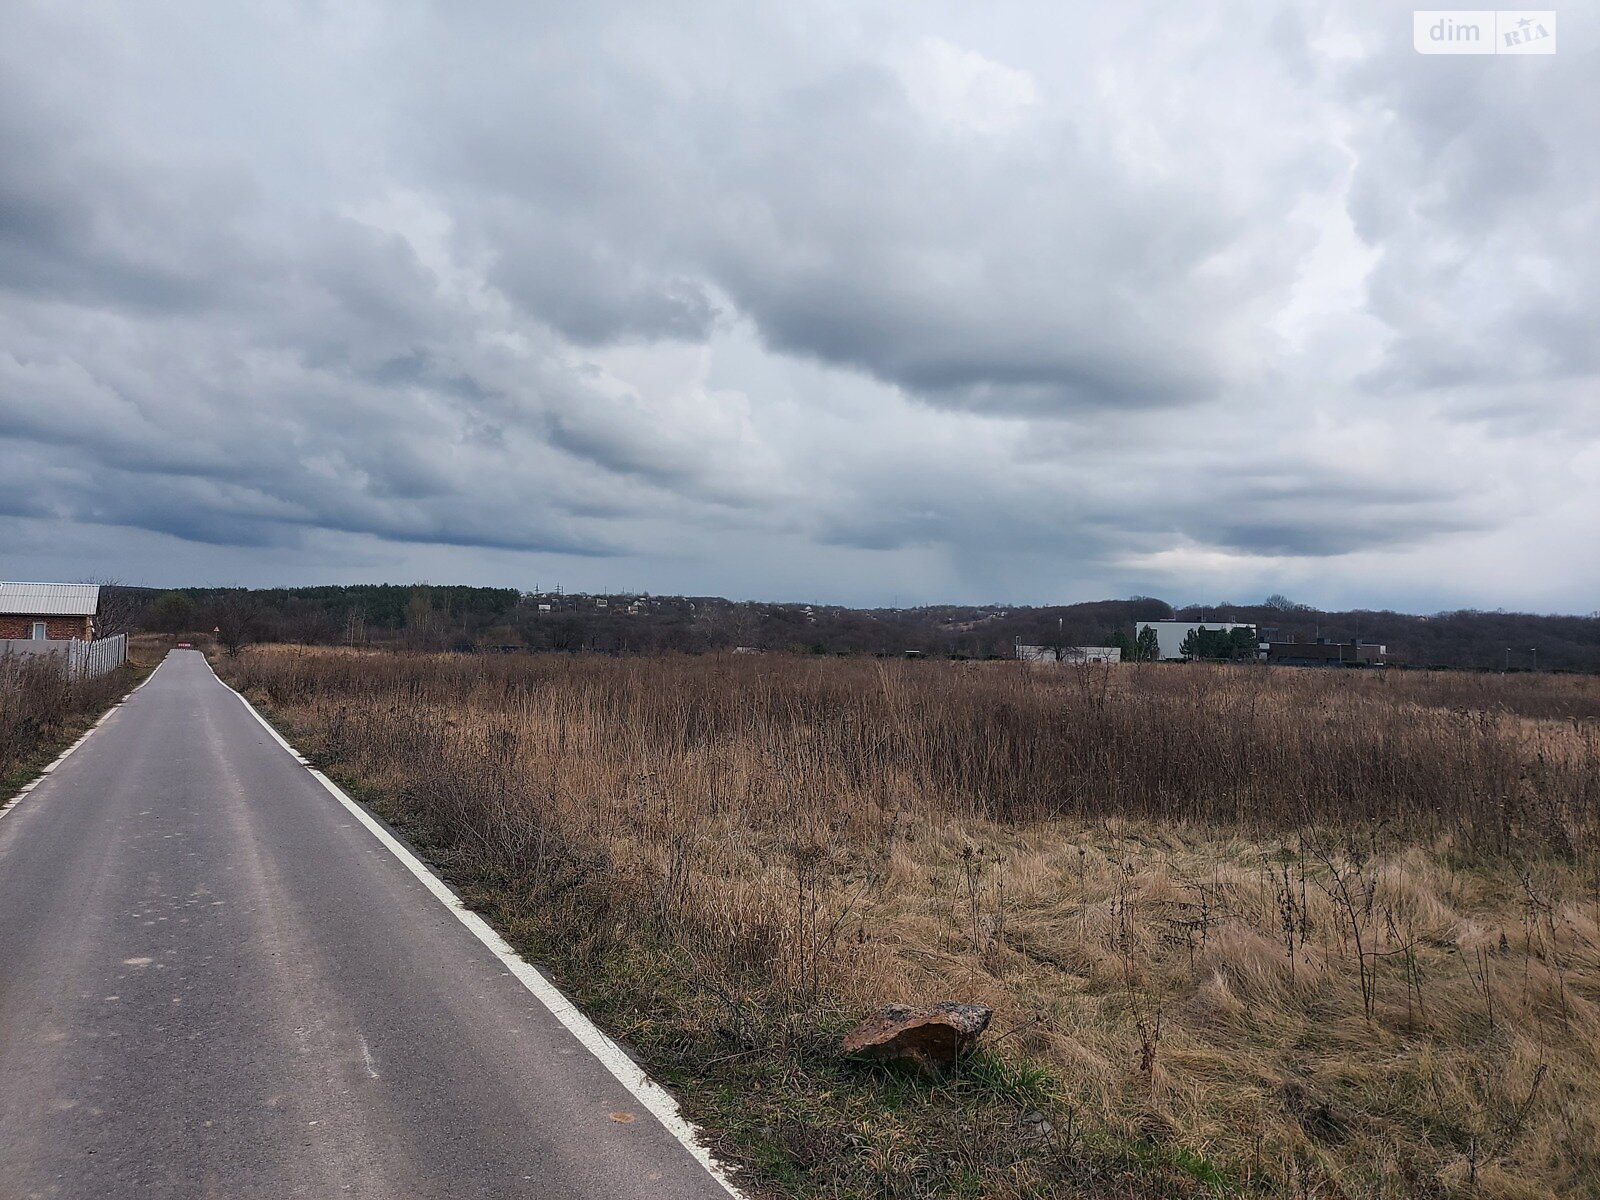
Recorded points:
62,757
655,1098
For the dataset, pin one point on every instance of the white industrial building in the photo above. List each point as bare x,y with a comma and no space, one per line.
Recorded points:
1170,634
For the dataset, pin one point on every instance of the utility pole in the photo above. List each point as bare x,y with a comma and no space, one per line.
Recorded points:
1508,658
1535,650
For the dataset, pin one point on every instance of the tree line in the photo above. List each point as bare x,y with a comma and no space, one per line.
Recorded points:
434,617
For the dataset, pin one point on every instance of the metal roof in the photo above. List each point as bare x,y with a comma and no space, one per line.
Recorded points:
50,599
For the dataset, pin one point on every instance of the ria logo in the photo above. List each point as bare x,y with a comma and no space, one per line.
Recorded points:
1483,31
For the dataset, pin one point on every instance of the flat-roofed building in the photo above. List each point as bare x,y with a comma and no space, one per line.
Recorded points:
1323,653
1170,634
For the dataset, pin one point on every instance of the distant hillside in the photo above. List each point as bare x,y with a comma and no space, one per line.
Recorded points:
426,616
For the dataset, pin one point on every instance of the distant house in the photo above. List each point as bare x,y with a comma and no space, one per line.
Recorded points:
48,611
1170,634
1068,654
1323,653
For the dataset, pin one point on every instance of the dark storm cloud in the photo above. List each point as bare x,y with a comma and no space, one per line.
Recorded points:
969,294
1312,534
1035,275
226,511
58,241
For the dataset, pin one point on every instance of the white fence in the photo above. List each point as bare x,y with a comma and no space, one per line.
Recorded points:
80,659
1069,654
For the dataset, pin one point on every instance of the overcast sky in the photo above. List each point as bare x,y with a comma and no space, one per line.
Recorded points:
850,302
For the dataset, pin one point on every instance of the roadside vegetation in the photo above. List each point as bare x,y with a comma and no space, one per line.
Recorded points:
42,712
1246,931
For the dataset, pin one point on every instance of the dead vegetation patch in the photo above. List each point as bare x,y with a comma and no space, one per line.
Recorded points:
1244,931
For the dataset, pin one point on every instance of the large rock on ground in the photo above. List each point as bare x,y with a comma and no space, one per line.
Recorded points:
927,1039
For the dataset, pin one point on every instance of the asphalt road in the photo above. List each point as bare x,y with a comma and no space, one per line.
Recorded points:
215,981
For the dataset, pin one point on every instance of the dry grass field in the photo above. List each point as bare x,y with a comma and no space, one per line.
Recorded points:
1246,931
42,712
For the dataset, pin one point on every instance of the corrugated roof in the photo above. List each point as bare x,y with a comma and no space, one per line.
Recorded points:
50,599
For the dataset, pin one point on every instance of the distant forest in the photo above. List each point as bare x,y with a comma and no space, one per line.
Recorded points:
504,620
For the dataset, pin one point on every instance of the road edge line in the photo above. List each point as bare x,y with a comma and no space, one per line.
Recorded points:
49,768
659,1102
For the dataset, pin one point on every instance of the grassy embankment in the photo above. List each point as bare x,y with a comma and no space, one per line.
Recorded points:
1245,931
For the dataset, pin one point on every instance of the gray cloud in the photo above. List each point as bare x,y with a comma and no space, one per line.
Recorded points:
1469,182
841,220
785,297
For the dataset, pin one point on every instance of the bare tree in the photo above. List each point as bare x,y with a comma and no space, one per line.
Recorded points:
120,608
236,615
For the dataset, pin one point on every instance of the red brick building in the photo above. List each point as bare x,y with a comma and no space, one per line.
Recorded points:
56,611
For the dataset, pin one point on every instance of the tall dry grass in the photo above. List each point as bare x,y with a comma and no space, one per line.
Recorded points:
1320,933
39,705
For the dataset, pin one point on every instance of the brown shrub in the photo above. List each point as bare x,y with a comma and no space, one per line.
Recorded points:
38,703
832,740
